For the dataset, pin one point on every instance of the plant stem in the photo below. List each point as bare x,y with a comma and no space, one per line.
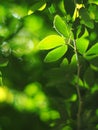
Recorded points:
77,88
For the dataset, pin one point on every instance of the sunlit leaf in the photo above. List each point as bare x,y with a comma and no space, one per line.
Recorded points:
50,42
61,26
85,18
82,42
56,54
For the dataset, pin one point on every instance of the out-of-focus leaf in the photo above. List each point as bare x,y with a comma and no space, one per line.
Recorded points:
75,79
64,63
66,128
82,42
85,18
50,42
94,64
56,54
92,11
93,2
89,77
3,62
61,26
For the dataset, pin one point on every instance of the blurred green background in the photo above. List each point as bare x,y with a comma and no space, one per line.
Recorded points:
23,101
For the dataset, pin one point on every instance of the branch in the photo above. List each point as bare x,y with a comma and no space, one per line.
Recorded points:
78,90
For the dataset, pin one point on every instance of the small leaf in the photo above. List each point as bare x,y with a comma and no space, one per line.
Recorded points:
50,42
37,5
61,26
85,18
82,42
56,54
75,79
93,50
64,63
73,64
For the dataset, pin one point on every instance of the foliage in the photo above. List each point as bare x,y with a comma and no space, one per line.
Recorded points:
49,65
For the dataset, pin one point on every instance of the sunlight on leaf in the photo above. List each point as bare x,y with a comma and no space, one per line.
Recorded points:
30,12
3,94
40,5
56,54
50,42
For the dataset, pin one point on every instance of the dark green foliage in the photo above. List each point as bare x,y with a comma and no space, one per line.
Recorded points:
49,65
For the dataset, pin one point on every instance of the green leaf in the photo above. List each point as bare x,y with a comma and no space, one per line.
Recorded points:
75,79
85,18
3,61
61,26
37,5
56,54
82,42
51,41
93,50
64,63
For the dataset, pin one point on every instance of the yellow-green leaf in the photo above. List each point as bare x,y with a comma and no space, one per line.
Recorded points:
56,54
50,42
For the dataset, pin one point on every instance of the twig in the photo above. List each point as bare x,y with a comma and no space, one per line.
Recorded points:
77,88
